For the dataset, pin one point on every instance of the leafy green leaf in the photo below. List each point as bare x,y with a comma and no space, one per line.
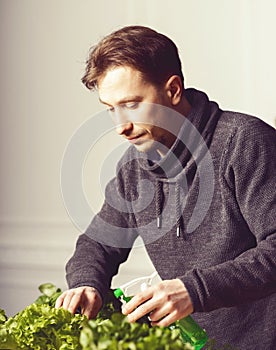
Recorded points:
47,289
40,326
3,317
50,293
117,333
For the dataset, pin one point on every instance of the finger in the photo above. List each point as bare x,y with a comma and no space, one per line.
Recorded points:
88,312
142,310
159,313
60,300
137,300
71,300
90,304
74,303
167,320
92,311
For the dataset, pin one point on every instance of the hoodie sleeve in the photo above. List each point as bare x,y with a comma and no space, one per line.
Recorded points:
105,244
250,168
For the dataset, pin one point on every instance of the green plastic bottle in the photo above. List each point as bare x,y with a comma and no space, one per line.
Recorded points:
190,331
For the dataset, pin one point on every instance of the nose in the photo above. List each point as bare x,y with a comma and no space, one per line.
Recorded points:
124,128
122,122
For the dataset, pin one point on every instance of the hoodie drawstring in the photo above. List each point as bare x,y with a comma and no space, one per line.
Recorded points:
158,205
177,209
158,201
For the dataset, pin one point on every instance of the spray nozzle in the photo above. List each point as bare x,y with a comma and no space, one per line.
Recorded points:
129,289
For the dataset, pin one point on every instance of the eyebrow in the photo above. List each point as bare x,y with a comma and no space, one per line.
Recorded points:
124,100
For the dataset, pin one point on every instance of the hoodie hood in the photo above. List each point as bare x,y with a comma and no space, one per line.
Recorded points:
198,126
189,148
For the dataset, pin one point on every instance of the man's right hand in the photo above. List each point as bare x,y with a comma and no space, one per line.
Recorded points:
86,298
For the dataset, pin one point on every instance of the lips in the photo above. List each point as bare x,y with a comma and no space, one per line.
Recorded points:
133,139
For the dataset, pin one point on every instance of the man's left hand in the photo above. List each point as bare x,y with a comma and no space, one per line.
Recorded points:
164,303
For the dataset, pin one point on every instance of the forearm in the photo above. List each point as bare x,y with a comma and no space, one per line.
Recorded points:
249,277
94,264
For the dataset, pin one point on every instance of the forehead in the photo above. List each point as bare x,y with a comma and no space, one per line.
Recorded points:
118,82
120,73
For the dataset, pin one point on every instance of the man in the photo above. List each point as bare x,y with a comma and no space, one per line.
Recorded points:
214,249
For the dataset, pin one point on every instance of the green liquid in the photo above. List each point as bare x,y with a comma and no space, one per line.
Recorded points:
191,332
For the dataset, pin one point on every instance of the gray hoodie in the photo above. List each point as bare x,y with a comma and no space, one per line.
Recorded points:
206,213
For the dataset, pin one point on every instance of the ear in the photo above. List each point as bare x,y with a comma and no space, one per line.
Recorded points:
174,89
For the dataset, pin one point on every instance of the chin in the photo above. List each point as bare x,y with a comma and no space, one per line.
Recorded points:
144,147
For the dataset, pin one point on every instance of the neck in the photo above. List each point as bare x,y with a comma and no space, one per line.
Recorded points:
183,106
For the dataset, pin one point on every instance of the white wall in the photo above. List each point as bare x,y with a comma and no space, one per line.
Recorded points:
227,48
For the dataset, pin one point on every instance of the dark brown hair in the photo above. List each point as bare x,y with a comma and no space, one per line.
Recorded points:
151,53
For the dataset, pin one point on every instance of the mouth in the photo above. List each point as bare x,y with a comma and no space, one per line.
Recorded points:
134,139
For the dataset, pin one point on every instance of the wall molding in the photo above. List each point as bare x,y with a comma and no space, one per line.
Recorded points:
31,222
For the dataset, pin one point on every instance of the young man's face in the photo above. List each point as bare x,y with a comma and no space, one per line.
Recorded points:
134,106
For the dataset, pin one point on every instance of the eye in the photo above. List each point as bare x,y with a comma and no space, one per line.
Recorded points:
131,105
110,109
